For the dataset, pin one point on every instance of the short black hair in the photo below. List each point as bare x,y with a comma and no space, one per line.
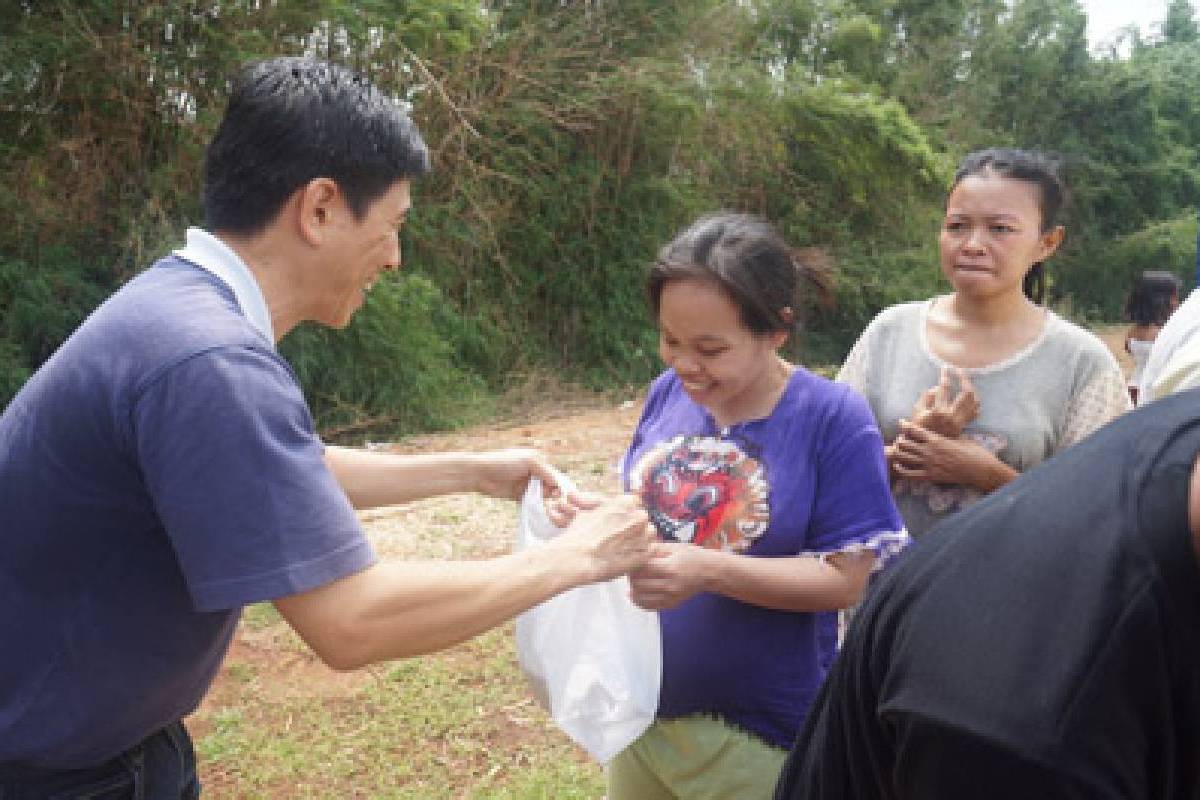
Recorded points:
291,120
747,259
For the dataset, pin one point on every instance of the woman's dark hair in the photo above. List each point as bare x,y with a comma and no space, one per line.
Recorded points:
1030,166
290,120
748,260
1149,302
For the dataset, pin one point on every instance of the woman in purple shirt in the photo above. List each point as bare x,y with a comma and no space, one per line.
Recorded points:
769,488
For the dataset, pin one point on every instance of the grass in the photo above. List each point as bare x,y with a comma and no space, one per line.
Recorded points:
460,724
456,725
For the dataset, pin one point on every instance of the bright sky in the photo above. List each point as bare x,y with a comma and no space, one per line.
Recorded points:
1106,17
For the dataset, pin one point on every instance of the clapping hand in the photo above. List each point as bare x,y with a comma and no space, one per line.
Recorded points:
941,410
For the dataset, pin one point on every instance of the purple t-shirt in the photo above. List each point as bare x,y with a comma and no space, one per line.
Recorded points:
159,472
810,478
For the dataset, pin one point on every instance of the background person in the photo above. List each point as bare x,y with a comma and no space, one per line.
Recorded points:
1044,643
769,488
976,386
161,470
1174,361
1154,297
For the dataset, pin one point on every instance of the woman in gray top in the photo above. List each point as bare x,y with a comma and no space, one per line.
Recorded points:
976,386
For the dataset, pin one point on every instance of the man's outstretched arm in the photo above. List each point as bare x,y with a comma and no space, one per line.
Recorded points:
372,479
405,608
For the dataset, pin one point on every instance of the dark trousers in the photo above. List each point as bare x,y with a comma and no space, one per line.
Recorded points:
163,767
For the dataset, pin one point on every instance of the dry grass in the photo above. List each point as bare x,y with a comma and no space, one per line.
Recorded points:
460,724
278,724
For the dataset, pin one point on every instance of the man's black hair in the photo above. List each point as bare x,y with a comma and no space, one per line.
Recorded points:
290,120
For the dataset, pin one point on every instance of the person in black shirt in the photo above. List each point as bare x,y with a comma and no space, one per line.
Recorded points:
1043,644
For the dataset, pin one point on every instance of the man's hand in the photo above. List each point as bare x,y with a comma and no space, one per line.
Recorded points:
563,506
612,539
399,608
506,473
942,410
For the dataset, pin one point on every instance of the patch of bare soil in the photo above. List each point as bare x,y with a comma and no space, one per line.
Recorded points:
584,435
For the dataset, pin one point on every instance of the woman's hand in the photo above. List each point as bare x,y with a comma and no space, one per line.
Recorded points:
675,572
920,454
942,410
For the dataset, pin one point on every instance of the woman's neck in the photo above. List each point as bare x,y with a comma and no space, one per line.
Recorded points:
995,311
759,400
965,332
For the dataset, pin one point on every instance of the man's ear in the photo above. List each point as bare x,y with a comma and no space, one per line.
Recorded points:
317,206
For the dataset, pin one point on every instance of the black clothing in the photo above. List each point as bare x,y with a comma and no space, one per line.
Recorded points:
1044,643
161,767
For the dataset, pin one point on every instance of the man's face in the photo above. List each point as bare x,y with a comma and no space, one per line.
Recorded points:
359,251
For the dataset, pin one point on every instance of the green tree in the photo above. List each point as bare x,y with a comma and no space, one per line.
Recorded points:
1180,27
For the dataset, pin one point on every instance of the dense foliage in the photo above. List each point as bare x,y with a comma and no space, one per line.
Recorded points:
570,139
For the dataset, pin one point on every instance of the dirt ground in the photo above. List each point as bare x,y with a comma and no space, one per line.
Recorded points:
582,434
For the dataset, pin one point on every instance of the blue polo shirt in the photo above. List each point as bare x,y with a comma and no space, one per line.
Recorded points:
159,472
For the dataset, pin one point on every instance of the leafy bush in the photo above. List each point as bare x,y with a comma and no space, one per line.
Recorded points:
1098,277
13,372
395,368
40,305
570,141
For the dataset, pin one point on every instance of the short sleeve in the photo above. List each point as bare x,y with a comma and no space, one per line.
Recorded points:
237,476
854,509
1102,399
853,371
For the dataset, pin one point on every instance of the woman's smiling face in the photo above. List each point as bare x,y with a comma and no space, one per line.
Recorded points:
720,361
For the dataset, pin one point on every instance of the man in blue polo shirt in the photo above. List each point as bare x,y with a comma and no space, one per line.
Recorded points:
161,470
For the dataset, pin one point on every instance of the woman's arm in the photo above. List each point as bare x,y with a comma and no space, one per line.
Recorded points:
677,571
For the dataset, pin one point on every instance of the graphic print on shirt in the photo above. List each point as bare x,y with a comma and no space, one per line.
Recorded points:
704,490
943,498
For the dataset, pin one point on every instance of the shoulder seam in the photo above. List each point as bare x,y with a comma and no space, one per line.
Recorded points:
154,377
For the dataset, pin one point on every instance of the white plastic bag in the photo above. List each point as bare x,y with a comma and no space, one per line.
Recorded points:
591,656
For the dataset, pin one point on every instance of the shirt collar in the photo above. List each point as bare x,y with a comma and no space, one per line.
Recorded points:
211,254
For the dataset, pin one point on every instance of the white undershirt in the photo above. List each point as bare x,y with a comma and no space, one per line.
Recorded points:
211,254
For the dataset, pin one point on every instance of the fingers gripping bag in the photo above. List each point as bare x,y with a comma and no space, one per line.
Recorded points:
592,658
